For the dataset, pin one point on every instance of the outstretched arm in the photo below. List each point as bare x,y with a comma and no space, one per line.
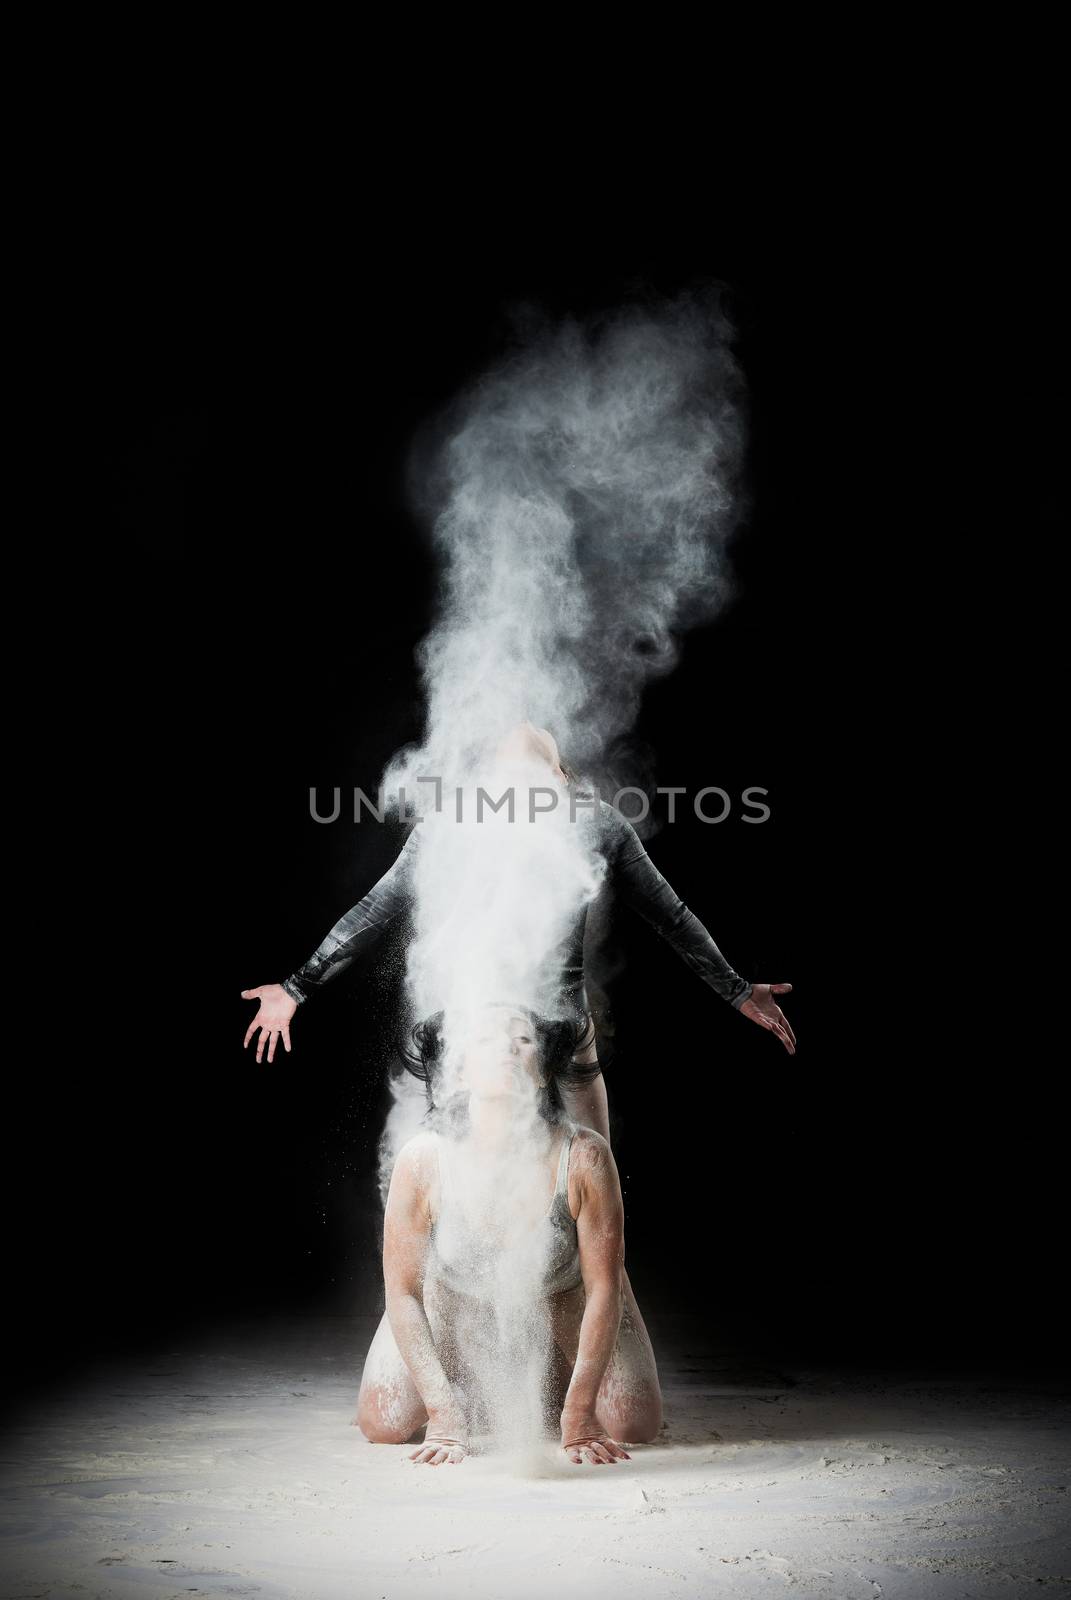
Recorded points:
640,884
351,935
361,926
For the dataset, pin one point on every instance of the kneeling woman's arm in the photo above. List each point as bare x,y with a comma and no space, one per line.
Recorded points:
406,1235
600,1229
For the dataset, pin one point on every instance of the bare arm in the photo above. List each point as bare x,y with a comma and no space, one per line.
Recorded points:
406,1236
600,1229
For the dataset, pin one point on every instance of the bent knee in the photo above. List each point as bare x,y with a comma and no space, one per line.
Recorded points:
642,1429
635,1424
382,1433
378,1430
381,1424
648,1426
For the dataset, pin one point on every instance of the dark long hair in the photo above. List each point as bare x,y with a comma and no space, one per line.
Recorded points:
557,1040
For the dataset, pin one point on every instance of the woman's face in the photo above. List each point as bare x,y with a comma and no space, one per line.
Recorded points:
528,743
501,1055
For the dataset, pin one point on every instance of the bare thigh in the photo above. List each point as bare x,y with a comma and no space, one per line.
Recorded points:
389,1407
629,1401
587,1103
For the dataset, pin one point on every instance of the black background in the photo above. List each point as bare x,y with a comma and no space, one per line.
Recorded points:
243,611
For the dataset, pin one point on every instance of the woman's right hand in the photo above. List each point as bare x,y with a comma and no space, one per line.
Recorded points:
444,1440
273,1019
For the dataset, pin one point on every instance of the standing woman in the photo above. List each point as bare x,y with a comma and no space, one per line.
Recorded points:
632,875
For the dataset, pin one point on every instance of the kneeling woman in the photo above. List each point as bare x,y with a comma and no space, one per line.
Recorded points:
467,1221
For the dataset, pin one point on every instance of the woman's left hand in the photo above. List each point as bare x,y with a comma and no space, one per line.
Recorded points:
583,1440
762,1008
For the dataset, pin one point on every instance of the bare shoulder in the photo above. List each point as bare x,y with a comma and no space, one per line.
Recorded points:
592,1168
417,1163
589,1147
420,1148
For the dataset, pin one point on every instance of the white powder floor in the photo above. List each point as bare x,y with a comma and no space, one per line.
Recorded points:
230,1467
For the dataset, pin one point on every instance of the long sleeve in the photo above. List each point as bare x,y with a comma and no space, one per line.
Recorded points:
636,879
360,928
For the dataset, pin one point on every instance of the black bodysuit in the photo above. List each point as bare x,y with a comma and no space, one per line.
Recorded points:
632,875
